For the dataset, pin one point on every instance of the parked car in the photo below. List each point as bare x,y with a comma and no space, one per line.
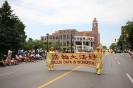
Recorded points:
118,51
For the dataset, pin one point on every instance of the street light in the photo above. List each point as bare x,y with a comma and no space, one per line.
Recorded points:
47,41
71,42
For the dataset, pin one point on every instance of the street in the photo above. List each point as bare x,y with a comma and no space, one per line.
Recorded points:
116,73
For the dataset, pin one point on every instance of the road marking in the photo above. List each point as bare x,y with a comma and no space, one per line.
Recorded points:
129,77
6,73
58,78
118,62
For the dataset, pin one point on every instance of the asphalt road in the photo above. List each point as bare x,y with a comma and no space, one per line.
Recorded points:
117,72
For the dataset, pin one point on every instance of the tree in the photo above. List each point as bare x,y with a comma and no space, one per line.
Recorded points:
125,40
104,47
112,46
34,44
129,31
12,35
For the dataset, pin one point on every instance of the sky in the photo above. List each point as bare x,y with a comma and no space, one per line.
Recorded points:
47,16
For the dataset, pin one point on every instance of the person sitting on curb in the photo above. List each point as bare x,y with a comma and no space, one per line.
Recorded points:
2,63
8,61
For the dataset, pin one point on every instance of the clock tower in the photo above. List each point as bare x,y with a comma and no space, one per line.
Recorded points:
95,32
95,24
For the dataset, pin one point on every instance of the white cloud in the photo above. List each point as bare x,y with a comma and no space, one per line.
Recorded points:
73,11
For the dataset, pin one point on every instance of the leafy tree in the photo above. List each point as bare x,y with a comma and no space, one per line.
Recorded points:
104,47
34,44
112,46
12,35
125,40
129,30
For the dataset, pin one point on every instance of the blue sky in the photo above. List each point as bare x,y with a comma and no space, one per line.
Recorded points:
47,16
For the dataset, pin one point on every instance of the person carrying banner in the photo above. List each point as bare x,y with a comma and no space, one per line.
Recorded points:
98,55
49,59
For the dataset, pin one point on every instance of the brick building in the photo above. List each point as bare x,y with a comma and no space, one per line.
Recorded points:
83,40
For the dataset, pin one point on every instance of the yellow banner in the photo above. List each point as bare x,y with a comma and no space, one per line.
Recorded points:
86,59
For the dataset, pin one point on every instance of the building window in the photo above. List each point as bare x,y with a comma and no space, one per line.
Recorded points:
80,38
77,38
50,37
61,37
42,38
56,37
64,43
64,36
67,42
53,37
67,36
83,38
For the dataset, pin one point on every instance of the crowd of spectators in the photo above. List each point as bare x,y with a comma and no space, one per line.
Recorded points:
130,52
22,56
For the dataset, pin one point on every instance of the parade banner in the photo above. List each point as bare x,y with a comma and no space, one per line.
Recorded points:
86,59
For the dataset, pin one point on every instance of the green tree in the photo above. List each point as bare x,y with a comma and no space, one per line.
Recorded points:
124,40
34,44
128,28
112,46
12,35
104,47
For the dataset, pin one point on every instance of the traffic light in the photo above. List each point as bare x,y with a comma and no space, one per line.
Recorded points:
115,40
127,35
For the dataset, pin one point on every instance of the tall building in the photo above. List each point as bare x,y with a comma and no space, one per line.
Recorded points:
83,40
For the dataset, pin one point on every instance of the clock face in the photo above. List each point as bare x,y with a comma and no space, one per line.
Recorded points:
94,24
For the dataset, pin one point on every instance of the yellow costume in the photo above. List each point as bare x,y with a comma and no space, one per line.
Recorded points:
49,64
103,51
98,60
111,51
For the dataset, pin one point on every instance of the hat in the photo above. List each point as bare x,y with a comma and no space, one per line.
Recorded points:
97,48
52,48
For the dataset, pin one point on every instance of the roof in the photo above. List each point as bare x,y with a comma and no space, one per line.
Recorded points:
95,20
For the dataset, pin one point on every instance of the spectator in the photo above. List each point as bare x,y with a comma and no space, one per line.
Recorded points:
8,62
17,58
38,57
10,53
2,62
12,61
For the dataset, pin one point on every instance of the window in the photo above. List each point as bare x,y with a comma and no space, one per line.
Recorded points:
84,38
68,37
61,37
77,38
80,38
64,43
42,38
50,37
53,37
64,36
67,42
56,37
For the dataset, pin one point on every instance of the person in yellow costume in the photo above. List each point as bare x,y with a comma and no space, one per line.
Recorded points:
49,58
98,54
103,51
111,51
